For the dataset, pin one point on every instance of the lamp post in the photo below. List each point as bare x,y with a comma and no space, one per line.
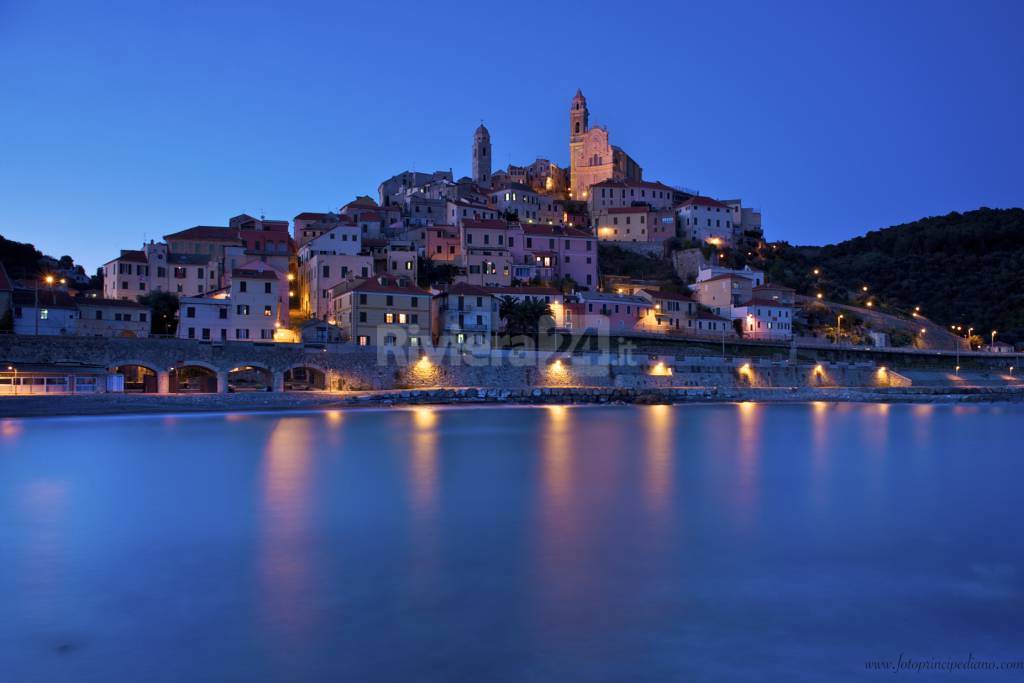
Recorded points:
969,331
839,329
14,385
992,344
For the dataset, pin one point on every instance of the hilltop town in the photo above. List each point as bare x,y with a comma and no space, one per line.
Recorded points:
434,256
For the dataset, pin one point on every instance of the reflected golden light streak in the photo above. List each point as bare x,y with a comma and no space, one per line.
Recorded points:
287,477
749,454
10,429
659,421
424,460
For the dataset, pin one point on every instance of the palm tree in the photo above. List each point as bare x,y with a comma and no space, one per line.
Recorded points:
523,317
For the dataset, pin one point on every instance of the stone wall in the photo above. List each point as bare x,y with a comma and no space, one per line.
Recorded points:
350,368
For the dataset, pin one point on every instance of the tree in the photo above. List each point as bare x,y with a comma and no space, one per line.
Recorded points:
431,272
164,306
66,262
523,317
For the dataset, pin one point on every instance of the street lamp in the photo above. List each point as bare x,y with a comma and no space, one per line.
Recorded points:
839,328
969,331
992,344
14,386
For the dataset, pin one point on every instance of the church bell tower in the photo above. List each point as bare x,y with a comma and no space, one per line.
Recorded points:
482,156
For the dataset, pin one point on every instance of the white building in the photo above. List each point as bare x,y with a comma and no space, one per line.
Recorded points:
703,219
249,310
464,317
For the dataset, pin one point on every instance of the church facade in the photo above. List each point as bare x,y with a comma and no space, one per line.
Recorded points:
592,158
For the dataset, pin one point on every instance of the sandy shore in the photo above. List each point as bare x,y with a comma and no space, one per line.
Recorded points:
113,404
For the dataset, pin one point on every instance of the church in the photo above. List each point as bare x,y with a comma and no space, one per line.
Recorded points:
592,159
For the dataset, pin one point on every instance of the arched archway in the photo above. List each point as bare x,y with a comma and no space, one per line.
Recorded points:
139,377
250,377
192,377
305,378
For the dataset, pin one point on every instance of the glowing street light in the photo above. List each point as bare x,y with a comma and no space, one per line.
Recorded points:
992,344
820,295
817,271
864,288
49,279
839,328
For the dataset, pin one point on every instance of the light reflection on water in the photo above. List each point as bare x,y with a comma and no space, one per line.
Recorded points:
556,543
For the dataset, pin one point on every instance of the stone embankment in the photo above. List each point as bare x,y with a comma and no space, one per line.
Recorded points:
113,404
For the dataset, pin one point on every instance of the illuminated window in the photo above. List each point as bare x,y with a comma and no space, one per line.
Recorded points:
389,318
401,318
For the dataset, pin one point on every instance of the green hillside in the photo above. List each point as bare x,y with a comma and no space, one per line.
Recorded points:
963,268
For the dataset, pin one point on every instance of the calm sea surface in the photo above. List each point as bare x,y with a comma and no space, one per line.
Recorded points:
648,543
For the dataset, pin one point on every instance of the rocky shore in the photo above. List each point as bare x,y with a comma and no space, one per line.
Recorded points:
114,404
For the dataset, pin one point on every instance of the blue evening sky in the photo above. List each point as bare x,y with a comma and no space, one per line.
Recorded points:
120,121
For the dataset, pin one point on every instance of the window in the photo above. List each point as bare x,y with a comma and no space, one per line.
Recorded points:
143,317
242,286
362,316
390,300
389,318
99,314
191,333
241,333
402,318
267,312
364,340
266,288
362,297
206,333
223,313
190,312
242,309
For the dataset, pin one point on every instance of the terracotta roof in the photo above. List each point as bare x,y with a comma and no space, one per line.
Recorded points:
704,201
514,186
465,288
633,183
537,229
469,204
133,255
724,276
628,209
121,303
764,302
374,242
511,291
780,288
386,285
254,274
614,298
668,296
310,216
205,232
48,298
369,216
484,224
708,315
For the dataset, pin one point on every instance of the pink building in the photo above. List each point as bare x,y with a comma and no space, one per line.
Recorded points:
570,251
603,311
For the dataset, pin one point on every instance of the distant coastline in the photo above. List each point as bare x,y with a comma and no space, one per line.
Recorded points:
140,404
